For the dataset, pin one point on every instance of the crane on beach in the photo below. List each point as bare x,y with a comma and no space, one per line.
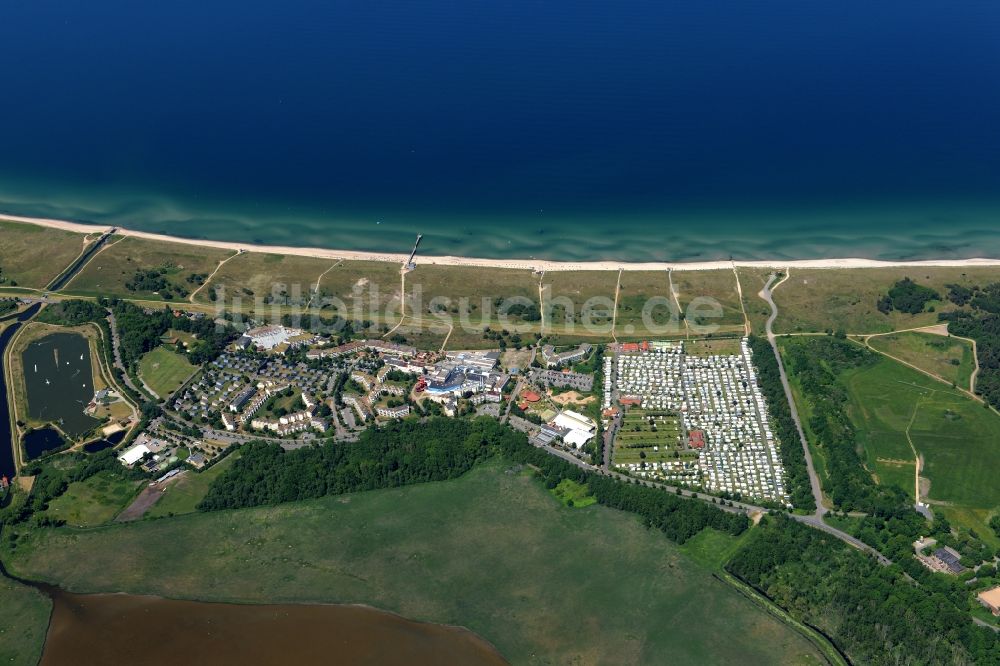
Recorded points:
410,265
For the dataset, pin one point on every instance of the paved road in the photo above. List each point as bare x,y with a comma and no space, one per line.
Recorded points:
814,521
817,490
116,347
520,383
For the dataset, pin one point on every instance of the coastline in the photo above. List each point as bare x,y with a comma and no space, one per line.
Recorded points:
523,264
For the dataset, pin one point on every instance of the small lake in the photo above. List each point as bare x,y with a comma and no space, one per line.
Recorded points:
41,440
128,629
59,379
106,443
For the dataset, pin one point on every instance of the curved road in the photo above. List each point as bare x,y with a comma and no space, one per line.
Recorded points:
817,490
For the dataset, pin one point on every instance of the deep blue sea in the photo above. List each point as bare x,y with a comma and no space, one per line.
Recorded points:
630,130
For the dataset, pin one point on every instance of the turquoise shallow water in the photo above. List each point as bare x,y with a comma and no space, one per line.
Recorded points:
632,130
908,230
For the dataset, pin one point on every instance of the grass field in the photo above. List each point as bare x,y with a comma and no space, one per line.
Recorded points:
94,501
569,490
821,299
575,297
958,439
32,256
183,495
450,285
646,435
112,267
164,370
24,619
491,551
650,290
947,357
699,291
712,347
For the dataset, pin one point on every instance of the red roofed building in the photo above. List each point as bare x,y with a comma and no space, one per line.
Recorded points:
644,346
696,439
630,400
530,396
630,347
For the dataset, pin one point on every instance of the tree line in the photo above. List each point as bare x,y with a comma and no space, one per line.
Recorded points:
437,449
816,362
792,456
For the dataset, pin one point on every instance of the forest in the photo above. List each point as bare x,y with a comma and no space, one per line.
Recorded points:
871,612
792,456
907,296
434,450
982,324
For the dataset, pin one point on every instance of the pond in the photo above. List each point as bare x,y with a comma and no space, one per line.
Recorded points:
129,629
41,440
106,443
59,378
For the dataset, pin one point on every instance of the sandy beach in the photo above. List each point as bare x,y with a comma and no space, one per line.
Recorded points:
527,264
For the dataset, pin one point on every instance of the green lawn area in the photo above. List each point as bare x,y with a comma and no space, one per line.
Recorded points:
948,358
958,439
569,490
491,551
183,495
94,501
637,436
24,619
165,371
32,256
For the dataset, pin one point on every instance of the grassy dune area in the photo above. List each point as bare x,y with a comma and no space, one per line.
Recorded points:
752,281
450,284
718,286
31,256
491,551
115,265
24,619
892,405
639,288
164,370
575,297
821,299
948,358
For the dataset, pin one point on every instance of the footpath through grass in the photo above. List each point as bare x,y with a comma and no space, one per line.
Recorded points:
491,551
947,357
958,439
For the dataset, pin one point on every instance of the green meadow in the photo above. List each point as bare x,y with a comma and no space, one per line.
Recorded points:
165,371
893,405
492,551
948,358
24,620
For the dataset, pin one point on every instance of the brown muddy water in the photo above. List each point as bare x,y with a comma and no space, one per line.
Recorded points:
127,629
